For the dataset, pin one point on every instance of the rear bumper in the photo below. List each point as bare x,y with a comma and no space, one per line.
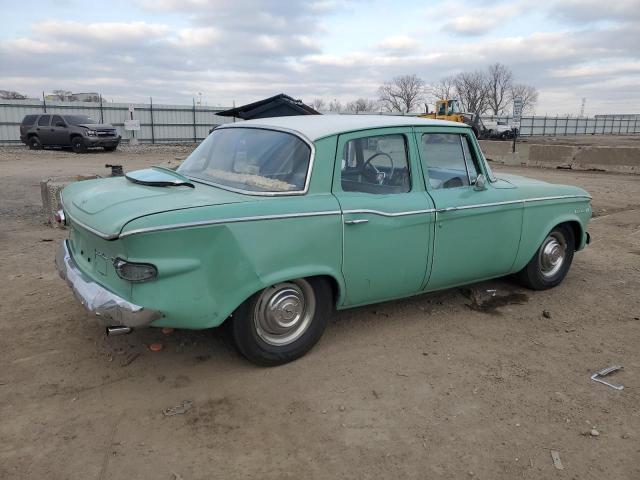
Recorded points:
109,308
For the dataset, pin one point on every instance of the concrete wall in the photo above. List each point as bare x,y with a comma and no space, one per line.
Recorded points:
609,159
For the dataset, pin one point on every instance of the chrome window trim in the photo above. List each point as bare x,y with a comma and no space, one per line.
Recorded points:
205,223
307,182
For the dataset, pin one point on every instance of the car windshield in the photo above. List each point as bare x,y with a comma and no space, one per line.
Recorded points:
79,119
250,159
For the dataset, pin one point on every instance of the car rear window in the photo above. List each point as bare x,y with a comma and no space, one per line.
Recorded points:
250,159
29,119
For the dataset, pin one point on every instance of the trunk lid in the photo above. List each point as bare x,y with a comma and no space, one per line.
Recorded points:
106,205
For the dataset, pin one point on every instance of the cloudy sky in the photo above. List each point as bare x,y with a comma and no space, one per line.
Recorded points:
243,50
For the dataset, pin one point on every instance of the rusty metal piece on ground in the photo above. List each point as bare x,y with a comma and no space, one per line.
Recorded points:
155,347
597,377
116,170
167,330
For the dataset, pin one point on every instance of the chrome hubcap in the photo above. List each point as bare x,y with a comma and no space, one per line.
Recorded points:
552,254
284,312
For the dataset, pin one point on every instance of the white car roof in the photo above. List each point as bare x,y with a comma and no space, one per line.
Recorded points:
315,127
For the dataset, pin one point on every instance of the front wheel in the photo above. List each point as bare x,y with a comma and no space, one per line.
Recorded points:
78,145
35,143
282,322
552,260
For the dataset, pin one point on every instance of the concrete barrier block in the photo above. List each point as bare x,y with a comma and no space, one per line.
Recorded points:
50,189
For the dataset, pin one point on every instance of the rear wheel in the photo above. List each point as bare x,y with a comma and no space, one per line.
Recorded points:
35,143
282,322
78,145
552,260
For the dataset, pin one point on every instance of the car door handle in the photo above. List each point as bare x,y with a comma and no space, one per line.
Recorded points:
448,209
355,221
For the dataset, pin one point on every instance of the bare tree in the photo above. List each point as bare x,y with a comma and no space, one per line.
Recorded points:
61,95
528,94
335,106
402,94
445,89
472,89
361,105
11,95
499,82
318,104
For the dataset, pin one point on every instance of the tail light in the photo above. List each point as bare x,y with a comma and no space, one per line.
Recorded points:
135,272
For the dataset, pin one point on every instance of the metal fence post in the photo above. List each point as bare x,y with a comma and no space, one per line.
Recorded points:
635,121
44,103
566,125
101,110
153,135
195,138
544,126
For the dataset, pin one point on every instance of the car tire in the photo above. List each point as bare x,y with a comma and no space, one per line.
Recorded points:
110,149
78,145
34,143
551,262
282,322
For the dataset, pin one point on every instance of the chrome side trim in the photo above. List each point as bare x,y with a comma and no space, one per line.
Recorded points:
205,223
557,197
307,181
510,202
391,214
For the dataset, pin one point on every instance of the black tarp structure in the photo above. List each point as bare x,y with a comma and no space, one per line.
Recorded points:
277,106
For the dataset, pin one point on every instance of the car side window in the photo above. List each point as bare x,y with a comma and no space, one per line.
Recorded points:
56,119
378,165
448,160
44,120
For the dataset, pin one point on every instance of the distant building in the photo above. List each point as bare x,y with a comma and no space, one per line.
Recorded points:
85,97
74,97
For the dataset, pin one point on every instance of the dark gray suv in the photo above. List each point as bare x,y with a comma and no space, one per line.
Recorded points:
76,131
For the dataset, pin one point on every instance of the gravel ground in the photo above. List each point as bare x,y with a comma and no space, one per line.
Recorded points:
456,384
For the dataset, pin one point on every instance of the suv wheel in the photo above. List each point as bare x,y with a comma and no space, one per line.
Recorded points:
35,143
77,145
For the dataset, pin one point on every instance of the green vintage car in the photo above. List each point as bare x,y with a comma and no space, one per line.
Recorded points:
272,224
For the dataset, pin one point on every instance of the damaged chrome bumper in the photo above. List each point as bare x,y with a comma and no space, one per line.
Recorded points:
110,309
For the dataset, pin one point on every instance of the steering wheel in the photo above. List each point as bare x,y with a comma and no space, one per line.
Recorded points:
379,176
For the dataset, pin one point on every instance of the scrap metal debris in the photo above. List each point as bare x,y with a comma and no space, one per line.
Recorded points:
597,377
180,409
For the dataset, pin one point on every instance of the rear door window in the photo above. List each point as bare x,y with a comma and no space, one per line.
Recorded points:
377,164
56,120
44,120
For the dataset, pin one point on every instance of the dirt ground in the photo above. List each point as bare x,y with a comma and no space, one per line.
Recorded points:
451,385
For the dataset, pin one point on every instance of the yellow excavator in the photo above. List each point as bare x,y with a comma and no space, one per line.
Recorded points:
450,110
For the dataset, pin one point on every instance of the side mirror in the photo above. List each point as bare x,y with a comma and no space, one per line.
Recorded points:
480,183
